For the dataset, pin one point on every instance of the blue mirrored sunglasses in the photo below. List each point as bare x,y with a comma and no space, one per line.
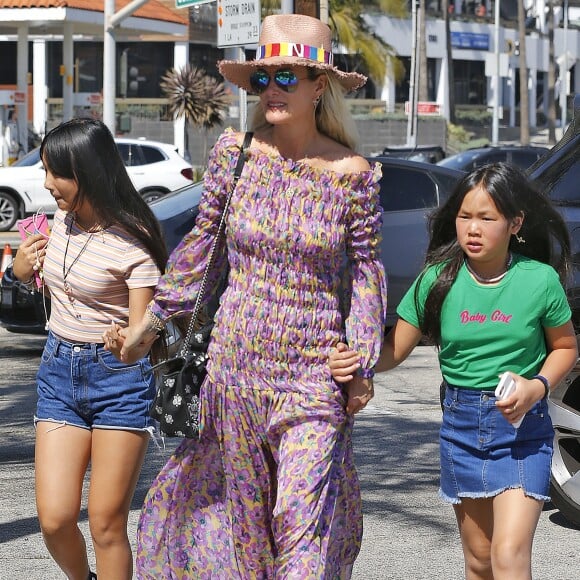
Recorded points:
284,79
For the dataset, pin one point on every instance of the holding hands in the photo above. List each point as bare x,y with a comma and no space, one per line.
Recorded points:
343,365
128,344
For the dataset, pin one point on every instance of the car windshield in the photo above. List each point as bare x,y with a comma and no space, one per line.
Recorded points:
31,158
459,160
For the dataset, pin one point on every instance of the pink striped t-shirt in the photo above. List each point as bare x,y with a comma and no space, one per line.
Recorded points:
100,269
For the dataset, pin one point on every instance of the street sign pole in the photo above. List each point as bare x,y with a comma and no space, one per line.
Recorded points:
238,26
243,97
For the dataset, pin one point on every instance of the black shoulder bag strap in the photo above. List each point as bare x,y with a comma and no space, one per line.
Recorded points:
187,342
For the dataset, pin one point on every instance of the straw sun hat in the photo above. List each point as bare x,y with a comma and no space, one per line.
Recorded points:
290,39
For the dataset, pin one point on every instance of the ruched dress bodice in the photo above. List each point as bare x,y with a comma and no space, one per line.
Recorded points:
304,269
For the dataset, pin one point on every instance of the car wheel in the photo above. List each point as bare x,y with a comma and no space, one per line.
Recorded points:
565,414
152,195
8,211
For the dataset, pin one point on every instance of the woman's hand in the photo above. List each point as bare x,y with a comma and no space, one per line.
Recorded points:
136,340
116,342
30,257
360,391
343,363
526,395
113,340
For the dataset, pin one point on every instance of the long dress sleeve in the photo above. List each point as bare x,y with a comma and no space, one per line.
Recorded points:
366,282
177,289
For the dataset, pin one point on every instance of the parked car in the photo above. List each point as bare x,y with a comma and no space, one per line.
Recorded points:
425,153
155,169
521,156
409,190
558,175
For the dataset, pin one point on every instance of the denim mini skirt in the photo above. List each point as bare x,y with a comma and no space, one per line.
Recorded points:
84,385
482,454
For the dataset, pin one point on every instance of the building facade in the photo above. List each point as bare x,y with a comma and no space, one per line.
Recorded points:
53,58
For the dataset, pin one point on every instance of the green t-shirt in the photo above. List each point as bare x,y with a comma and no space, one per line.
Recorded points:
486,330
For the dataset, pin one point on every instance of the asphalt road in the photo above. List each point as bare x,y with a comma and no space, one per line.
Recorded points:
409,534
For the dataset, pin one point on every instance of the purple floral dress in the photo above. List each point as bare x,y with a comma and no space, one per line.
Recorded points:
270,489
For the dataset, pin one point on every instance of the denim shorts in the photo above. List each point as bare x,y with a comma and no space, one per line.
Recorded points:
482,454
86,386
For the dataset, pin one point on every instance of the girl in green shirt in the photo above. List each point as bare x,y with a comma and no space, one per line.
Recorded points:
491,303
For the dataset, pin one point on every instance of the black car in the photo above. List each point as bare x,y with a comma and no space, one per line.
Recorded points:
425,153
519,155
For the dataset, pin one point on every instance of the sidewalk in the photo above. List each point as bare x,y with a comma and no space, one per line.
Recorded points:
408,532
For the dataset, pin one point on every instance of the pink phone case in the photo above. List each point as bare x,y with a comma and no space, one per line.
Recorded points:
34,224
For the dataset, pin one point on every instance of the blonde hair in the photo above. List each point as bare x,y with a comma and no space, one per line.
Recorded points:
333,117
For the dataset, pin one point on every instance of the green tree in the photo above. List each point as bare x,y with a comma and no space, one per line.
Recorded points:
524,99
351,30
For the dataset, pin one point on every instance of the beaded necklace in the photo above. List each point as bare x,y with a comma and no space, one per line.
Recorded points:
493,279
66,271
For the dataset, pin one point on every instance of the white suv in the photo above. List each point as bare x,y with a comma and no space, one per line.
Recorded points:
155,169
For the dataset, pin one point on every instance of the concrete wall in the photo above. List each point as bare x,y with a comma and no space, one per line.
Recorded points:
375,134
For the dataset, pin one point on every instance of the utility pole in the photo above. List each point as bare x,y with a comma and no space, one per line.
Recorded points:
496,79
111,20
411,121
564,72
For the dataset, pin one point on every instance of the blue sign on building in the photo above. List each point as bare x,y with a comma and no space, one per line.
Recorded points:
472,40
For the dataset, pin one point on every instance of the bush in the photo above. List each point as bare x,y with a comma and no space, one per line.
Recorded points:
478,117
459,139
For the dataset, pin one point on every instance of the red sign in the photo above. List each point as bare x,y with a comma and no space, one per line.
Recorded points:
424,108
19,97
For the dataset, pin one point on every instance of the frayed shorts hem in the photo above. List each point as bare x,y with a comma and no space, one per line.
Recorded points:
60,423
488,494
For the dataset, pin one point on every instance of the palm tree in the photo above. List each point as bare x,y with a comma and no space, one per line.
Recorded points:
422,89
448,51
352,31
195,96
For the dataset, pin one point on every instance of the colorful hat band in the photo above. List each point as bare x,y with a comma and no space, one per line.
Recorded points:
294,49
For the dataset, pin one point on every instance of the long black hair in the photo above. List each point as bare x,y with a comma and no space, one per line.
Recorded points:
85,150
544,231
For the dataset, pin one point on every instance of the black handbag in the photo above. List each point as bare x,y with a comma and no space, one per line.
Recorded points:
177,403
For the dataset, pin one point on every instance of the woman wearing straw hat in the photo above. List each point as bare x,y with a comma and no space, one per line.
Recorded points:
270,489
